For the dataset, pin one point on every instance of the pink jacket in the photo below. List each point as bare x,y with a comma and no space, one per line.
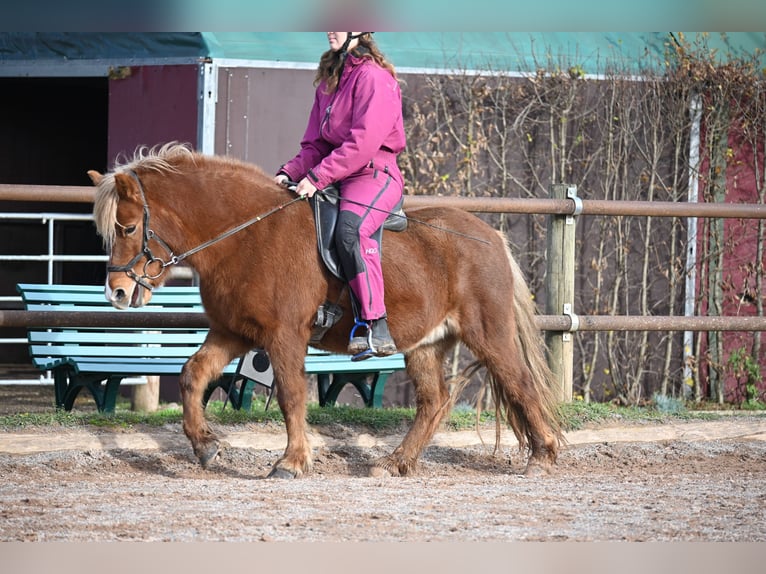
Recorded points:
348,128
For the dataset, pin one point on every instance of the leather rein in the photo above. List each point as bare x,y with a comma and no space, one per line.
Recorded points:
173,259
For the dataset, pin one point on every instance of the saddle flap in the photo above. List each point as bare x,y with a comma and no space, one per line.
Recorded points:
325,207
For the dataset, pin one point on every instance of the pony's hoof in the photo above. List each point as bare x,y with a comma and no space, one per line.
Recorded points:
278,472
379,472
207,453
536,469
386,466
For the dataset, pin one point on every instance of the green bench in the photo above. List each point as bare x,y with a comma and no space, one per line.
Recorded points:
99,359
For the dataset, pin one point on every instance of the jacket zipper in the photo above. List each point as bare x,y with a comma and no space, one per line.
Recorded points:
325,119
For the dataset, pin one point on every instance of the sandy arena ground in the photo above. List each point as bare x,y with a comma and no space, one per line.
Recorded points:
688,481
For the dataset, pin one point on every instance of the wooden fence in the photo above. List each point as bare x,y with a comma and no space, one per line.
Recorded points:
560,319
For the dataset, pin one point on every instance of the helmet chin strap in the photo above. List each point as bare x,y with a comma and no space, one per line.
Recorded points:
349,36
344,51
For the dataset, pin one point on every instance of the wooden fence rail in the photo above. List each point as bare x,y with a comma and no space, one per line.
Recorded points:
543,206
561,323
560,319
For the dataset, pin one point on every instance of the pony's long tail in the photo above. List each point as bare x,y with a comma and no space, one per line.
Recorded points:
533,351
531,346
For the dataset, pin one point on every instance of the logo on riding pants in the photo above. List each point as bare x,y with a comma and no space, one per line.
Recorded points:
371,251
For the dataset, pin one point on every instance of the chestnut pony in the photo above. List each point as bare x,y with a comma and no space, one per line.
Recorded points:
449,277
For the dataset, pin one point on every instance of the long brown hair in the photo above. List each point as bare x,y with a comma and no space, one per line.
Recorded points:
330,63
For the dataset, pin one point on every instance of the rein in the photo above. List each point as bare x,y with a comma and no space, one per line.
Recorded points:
149,234
403,216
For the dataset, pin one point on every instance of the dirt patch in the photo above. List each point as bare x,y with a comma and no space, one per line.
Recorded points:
696,481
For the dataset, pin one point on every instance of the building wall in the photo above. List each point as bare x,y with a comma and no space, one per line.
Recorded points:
149,105
261,113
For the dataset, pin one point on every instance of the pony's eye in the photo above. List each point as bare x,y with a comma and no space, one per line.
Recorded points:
128,229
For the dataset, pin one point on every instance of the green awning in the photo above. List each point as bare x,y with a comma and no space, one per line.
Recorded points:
591,52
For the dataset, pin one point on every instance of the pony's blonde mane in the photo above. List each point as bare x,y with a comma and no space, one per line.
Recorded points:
157,158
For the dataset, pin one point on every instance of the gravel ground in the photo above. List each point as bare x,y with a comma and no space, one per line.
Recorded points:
689,481
701,481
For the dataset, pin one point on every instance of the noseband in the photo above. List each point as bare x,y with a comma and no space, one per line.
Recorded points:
149,234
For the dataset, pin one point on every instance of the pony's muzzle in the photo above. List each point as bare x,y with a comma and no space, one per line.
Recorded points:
119,298
122,298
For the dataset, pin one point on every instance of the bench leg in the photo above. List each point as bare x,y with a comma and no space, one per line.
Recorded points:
376,390
333,387
246,395
323,385
107,398
369,385
68,386
240,398
60,385
226,384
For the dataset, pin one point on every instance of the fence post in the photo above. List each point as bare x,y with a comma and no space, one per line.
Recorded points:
559,288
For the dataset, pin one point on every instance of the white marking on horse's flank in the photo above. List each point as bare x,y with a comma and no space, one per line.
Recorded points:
447,327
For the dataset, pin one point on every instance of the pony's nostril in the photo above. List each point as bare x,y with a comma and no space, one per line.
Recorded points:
119,295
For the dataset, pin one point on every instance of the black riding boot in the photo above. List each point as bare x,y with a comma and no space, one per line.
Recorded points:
382,342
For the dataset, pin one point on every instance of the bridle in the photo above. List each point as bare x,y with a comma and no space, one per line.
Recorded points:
146,251
149,234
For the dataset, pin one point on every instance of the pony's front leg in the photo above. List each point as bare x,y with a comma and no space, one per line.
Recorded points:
202,367
292,395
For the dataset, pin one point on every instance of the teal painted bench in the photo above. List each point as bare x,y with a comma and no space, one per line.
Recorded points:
99,359
333,373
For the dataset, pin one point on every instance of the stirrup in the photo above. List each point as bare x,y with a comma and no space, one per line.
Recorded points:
370,350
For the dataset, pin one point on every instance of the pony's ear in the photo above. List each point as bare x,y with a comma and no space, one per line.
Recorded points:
126,187
95,177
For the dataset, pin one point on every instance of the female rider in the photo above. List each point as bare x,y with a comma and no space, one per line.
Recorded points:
355,132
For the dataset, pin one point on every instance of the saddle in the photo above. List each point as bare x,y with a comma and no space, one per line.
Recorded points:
324,204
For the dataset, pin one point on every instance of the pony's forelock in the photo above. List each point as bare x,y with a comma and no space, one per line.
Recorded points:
105,210
157,158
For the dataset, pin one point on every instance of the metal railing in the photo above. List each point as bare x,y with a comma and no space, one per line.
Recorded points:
50,257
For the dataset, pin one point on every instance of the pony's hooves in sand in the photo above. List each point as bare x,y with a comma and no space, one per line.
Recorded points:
209,452
379,472
278,472
537,469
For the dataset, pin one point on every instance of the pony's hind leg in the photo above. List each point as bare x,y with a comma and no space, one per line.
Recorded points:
526,401
202,367
425,366
529,417
521,386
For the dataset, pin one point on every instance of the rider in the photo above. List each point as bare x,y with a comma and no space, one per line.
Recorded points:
355,131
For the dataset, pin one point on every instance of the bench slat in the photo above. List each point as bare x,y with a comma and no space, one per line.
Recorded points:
124,338
98,289
109,308
90,299
116,351
342,363
144,367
